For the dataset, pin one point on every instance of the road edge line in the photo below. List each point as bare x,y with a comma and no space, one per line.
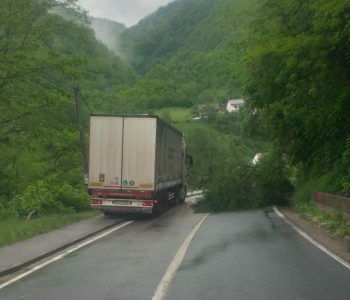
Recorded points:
312,240
65,253
176,262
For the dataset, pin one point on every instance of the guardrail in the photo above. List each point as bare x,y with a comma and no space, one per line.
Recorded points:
335,202
194,193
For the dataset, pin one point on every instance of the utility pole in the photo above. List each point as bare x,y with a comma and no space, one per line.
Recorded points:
76,91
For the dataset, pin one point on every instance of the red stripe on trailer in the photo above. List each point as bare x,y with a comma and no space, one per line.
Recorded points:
95,201
122,194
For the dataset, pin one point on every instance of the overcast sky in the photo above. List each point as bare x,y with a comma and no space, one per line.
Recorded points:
128,12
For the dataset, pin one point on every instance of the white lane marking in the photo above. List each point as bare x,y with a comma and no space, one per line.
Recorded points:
313,241
174,265
38,267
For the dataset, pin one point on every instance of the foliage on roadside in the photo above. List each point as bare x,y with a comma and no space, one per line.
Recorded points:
242,185
50,196
287,58
13,229
42,57
335,223
306,187
297,78
301,201
175,114
223,167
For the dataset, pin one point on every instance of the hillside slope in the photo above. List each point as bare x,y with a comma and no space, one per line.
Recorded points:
39,135
187,54
109,33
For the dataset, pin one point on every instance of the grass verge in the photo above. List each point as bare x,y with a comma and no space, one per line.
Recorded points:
175,114
14,230
335,223
301,201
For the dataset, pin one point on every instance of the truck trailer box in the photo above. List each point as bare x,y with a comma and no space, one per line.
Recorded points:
136,163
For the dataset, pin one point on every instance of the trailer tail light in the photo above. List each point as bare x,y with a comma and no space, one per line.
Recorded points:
96,202
147,203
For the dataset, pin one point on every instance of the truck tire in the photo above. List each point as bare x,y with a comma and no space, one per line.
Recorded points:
156,212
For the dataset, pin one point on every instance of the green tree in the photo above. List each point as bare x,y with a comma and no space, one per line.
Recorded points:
42,56
298,77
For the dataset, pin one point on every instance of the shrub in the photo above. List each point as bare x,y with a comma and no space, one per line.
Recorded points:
343,170
166,116
239,185
71,197
233,187
273,186
48,197
4,211
336,223
38,197
230,123
307,186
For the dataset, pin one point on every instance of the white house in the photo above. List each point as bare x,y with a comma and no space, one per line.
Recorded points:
234,105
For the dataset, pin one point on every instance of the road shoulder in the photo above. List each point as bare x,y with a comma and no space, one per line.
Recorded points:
323,236
21,254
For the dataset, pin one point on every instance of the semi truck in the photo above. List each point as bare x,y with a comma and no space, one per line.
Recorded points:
137,164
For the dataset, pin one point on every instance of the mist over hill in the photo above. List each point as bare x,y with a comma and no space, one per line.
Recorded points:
168,30
109,33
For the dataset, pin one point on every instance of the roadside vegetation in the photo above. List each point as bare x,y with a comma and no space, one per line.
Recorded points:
333,222
175,114
223,151
13,229
297,79
293,71
42,58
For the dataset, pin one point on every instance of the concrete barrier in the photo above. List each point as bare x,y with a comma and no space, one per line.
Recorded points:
333,203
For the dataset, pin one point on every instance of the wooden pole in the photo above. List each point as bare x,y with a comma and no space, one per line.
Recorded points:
76,91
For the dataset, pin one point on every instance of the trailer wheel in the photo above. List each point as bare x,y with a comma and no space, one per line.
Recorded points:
156,212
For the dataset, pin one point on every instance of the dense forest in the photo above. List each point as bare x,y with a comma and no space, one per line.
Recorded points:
43,57
289,59
187,53
298,77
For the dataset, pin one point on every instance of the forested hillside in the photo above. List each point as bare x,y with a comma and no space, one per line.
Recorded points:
289,59
298,77
42,58
109,33
187,53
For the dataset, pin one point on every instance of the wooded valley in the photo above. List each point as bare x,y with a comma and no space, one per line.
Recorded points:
289,59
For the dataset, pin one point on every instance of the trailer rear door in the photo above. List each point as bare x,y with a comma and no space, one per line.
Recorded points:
106,136
138,171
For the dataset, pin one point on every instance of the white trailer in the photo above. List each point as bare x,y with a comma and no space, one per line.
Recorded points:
137,163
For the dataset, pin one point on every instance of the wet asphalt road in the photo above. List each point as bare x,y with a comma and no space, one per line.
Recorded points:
256,255
248,255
